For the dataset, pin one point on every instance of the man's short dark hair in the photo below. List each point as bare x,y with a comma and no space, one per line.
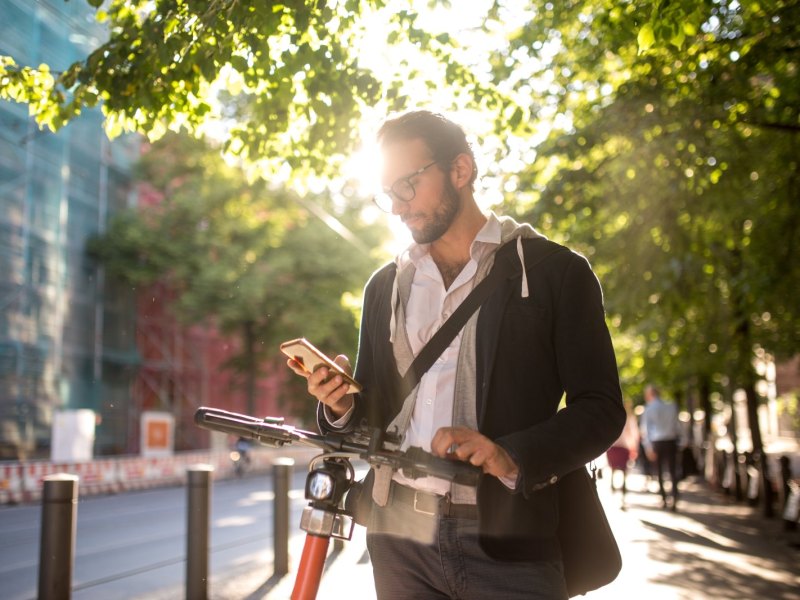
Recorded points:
444,139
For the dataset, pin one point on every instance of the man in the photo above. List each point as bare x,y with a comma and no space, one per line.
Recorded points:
660,429
491,398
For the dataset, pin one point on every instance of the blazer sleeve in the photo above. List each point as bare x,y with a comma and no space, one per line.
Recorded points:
375,310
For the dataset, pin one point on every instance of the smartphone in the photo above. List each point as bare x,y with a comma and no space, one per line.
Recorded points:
310,358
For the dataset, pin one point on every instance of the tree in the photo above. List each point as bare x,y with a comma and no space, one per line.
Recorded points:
675,170
287,79
240,255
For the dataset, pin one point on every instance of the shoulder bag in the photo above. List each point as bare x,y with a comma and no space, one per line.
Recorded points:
588,549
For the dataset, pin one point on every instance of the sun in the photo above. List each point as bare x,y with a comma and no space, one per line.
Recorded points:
364,168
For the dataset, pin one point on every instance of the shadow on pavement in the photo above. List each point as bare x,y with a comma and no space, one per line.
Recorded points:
711,548
709,577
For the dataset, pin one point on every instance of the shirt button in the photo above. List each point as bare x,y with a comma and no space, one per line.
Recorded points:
428,401
446,314
553,479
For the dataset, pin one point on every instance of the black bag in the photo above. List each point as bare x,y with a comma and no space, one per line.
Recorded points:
588,549
358,501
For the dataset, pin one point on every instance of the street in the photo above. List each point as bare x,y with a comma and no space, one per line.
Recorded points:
132,546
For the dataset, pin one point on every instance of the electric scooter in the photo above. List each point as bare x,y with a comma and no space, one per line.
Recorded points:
329,513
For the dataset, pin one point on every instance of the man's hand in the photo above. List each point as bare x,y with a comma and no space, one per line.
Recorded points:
333,392
470,446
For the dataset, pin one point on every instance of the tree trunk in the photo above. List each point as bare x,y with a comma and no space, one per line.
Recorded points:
704,391
759,456
733,427
705,404
746,374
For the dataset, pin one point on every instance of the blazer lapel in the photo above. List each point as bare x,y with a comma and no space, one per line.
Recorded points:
492,311
488,335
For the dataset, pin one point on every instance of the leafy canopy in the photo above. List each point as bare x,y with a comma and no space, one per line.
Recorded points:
287,83
673,165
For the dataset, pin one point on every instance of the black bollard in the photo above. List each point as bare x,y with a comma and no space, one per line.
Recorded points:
789,494
198,525
57,550
282,482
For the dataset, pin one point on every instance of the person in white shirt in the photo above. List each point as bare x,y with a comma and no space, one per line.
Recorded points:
661,430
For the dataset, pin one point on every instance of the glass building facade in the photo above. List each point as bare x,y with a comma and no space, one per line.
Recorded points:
67,336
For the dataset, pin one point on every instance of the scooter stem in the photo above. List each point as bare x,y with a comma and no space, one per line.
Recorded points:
312,563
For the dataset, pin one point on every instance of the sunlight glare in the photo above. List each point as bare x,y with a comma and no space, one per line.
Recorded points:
466,24
364,169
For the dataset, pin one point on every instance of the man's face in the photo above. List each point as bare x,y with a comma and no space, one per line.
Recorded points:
435,205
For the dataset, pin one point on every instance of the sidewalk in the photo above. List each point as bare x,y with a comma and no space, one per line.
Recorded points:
711,548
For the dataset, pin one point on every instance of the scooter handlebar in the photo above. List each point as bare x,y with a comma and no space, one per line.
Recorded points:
414,462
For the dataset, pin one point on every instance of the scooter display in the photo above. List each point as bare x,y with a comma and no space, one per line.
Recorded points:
331,476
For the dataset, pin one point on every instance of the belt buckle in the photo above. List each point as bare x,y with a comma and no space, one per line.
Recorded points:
420,510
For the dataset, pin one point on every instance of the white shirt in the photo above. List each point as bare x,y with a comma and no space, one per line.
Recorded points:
429,306
660,422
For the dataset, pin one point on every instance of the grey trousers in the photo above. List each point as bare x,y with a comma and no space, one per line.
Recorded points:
420,557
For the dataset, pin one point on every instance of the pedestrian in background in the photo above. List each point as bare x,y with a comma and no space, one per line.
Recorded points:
660,429
623,451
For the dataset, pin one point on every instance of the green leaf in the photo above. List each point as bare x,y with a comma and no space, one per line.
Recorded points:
646,38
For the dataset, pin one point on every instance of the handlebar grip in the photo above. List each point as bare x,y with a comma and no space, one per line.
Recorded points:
422,463
262,431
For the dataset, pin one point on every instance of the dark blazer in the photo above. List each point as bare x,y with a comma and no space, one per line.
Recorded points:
531,352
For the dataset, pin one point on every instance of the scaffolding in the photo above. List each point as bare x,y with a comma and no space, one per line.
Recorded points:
66,336
69,336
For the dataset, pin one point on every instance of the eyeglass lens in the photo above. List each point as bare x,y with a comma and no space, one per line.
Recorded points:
402,189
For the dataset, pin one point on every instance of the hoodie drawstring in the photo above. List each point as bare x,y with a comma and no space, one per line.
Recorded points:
522,261
395,299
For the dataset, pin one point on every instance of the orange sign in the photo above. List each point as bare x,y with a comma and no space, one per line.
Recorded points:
158,435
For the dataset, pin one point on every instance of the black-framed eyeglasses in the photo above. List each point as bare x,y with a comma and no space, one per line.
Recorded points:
401,190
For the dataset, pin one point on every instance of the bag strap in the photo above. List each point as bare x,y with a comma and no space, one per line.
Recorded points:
501,269
450,328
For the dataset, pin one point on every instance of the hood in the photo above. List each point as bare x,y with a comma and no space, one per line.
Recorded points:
510,229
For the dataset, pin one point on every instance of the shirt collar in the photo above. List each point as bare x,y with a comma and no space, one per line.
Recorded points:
490,233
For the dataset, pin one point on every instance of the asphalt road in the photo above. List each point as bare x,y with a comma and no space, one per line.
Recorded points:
133,545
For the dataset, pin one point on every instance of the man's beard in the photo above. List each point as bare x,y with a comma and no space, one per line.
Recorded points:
442,218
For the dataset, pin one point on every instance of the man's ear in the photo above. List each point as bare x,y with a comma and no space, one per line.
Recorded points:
461,170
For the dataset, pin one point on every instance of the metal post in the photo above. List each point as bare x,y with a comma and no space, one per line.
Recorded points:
789,514
197,528
57,550
282,479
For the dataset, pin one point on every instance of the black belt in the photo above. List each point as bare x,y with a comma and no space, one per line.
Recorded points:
432,504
